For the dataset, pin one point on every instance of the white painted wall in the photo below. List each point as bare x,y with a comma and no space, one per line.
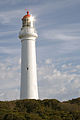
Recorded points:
29,88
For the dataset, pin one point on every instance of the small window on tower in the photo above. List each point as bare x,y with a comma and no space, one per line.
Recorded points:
27,68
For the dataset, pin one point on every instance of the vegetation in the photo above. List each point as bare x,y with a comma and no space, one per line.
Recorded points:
49,109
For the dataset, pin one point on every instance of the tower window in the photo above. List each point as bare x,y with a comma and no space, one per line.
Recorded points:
27,68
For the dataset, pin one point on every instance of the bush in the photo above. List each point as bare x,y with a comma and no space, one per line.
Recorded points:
12,116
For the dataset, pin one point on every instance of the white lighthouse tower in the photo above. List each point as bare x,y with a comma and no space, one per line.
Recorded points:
28,35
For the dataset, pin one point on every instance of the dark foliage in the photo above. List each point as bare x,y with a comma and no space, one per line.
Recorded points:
49,109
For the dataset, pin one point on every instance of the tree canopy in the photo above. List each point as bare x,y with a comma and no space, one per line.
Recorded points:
49,109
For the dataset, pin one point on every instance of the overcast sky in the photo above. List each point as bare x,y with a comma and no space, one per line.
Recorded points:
58,47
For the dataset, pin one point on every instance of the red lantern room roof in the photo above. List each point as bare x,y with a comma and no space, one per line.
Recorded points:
28,15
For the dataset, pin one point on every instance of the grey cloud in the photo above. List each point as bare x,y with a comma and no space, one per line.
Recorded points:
54,83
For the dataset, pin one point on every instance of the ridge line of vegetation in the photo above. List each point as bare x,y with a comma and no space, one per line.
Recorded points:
48,109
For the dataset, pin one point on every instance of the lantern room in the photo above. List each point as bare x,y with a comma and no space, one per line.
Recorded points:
28,20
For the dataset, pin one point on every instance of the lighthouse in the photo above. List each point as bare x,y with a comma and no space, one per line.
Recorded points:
28,35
